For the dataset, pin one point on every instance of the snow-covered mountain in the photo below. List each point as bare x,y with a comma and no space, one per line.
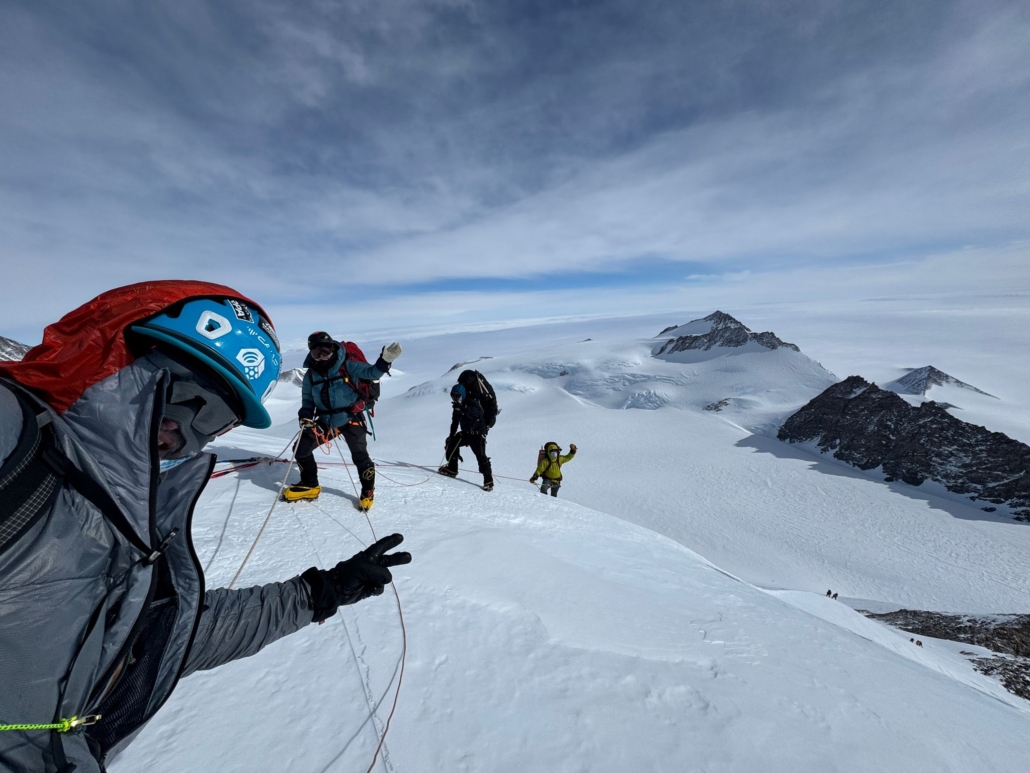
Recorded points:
869,427
919,381
717,330
758,385
11,349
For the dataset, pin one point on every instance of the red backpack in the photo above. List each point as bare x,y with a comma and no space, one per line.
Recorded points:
368,391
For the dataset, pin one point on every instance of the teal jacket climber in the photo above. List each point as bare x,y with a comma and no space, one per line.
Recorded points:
327,391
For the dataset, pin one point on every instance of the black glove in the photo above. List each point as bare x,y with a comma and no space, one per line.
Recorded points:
360,576
572,448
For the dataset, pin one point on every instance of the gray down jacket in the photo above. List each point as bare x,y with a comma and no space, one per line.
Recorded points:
87,626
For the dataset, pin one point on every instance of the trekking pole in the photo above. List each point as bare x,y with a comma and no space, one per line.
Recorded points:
268,517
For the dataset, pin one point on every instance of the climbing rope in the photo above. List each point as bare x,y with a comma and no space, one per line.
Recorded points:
243,464
267,517
400,615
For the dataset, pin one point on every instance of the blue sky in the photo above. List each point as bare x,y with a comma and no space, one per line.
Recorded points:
362,165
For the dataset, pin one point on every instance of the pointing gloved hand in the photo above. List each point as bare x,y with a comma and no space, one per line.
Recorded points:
572,447
360,576
391,352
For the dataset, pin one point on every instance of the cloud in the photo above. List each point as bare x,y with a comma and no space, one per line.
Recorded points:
312,152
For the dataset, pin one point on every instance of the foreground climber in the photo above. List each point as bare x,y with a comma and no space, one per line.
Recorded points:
102,600
337,390
548,466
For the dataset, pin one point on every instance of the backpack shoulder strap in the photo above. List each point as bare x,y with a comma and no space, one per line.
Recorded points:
33,475
27,487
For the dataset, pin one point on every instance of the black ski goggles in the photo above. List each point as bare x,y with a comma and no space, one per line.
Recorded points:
322,352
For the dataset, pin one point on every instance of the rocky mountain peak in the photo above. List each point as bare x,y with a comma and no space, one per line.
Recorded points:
717,329
721,319
919,381
293,376
11,350
869,427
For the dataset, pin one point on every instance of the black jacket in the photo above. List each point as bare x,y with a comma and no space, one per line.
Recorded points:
468,414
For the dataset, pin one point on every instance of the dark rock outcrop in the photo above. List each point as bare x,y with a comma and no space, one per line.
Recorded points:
1005,634
870,427
11,350
724,331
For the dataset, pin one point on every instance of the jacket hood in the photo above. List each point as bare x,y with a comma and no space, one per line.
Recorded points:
552,445
88,345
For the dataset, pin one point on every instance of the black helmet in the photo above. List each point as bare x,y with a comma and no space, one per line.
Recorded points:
321,338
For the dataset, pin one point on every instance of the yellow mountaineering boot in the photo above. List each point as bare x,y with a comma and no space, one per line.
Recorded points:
297,491
366,501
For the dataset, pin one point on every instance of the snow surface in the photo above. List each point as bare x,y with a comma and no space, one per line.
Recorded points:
588,633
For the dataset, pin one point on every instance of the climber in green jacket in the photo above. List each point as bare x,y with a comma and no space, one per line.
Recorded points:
548,467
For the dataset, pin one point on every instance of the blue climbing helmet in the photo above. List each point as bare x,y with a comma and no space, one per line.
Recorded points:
458,392
230,336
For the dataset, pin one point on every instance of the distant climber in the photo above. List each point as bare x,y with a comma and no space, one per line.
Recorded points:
834,597
828,593
469,428
548,466
334,396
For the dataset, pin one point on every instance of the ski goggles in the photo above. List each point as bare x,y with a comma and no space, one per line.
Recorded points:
322,353
211,412
201,405
201,414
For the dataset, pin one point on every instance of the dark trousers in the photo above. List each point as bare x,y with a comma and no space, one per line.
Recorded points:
357,441
554,485
478,445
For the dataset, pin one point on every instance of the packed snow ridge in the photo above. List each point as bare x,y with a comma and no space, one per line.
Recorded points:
11,350
870,427
717,329
919,381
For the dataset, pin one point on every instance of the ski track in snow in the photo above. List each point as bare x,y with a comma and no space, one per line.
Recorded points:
547,636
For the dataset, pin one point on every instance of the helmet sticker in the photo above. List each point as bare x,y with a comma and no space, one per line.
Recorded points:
267,327
253,361
240,310
212,326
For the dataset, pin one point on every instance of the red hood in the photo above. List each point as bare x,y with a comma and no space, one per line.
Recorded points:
88,345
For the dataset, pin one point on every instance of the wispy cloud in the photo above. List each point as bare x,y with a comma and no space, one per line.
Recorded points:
387,156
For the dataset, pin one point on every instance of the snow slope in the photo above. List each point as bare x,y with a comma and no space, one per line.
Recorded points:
545,636
769,512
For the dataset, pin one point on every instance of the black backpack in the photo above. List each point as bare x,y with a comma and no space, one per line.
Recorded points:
475,384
